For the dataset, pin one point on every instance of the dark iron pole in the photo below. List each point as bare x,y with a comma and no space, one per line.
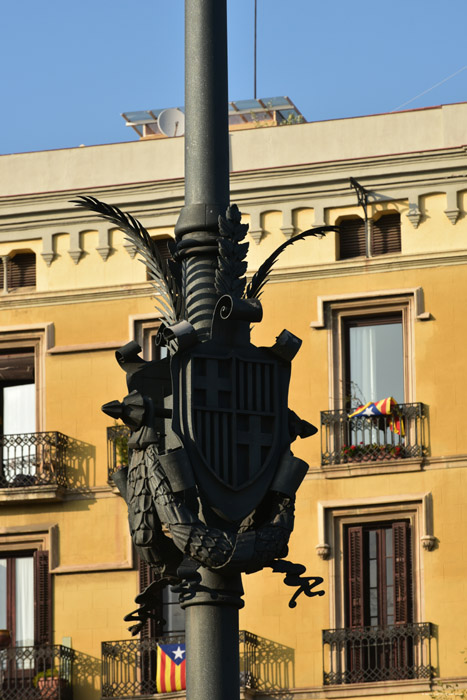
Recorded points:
206,154
212,628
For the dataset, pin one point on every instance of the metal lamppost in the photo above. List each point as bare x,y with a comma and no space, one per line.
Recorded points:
211,482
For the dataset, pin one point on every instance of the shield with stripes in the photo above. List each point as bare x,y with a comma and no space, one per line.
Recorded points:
234,423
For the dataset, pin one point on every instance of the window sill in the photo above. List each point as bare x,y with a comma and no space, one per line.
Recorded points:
31,493
390,466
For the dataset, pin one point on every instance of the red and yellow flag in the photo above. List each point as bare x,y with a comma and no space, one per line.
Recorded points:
171,668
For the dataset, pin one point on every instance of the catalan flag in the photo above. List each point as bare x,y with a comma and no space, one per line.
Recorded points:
384,407
171,668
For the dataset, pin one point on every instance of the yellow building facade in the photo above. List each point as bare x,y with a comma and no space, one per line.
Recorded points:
380,515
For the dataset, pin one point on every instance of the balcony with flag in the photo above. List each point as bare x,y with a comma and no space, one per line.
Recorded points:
378,431
145,668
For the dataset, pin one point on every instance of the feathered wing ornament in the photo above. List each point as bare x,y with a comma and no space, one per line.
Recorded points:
231,263
259,279
167,296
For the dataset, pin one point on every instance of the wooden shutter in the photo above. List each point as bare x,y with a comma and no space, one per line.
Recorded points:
402,572
21,271
355,584
352,238
146,576
42,599
386,234
162,245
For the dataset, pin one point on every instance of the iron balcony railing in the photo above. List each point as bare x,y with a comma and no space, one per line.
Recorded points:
30,459
372,654
33,672
117,448
347,440
129,667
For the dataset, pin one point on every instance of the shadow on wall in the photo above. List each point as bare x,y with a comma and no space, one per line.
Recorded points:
86,677
81,464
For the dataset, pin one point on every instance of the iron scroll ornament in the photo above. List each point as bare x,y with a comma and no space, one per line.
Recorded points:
211,480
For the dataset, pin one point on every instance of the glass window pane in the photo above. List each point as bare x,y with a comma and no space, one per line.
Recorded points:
373,573
24,601
376,362
373,603
389,542
3,594
372,544
172,613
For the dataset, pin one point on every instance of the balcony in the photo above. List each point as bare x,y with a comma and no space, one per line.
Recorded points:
373,654
359,440
30,673
129,667
117,448
35,463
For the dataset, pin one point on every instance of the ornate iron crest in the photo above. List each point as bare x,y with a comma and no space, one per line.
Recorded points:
211,480
232,420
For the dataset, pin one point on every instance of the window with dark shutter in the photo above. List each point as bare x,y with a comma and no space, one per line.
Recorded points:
42,598
386,234
379,577
352,238
146,576
162,245
21,271
355,576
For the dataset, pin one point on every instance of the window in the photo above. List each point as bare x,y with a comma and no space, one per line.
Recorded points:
374,553
379,589
144,332
378,574
171,615
371,360
352,238
17,414
386,234
371,350
374,358
383,232
162,245
25,607
18,270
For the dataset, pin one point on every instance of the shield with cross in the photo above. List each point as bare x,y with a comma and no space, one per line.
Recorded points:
232,420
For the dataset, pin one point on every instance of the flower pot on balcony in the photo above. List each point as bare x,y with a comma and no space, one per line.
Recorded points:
51,688
5,639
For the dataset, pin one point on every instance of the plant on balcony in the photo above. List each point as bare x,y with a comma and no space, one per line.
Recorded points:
371,452
49,683
121,449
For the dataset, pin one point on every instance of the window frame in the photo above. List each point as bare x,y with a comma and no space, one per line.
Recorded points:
344,311
338,516
35,340
366,233
7,271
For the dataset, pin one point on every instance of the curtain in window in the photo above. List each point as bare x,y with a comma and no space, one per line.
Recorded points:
24,601
19,416
376,362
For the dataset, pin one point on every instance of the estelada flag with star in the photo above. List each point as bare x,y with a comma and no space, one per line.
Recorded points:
384,407
171,668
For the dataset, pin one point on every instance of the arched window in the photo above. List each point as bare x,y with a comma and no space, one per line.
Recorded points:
20,271
386,234
163,247
352,238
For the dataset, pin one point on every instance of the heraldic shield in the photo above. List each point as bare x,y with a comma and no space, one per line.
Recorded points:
232,421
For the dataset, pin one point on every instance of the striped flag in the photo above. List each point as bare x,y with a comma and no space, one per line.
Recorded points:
171,668
384,407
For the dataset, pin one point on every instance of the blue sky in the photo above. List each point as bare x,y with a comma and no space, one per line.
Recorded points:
68,69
